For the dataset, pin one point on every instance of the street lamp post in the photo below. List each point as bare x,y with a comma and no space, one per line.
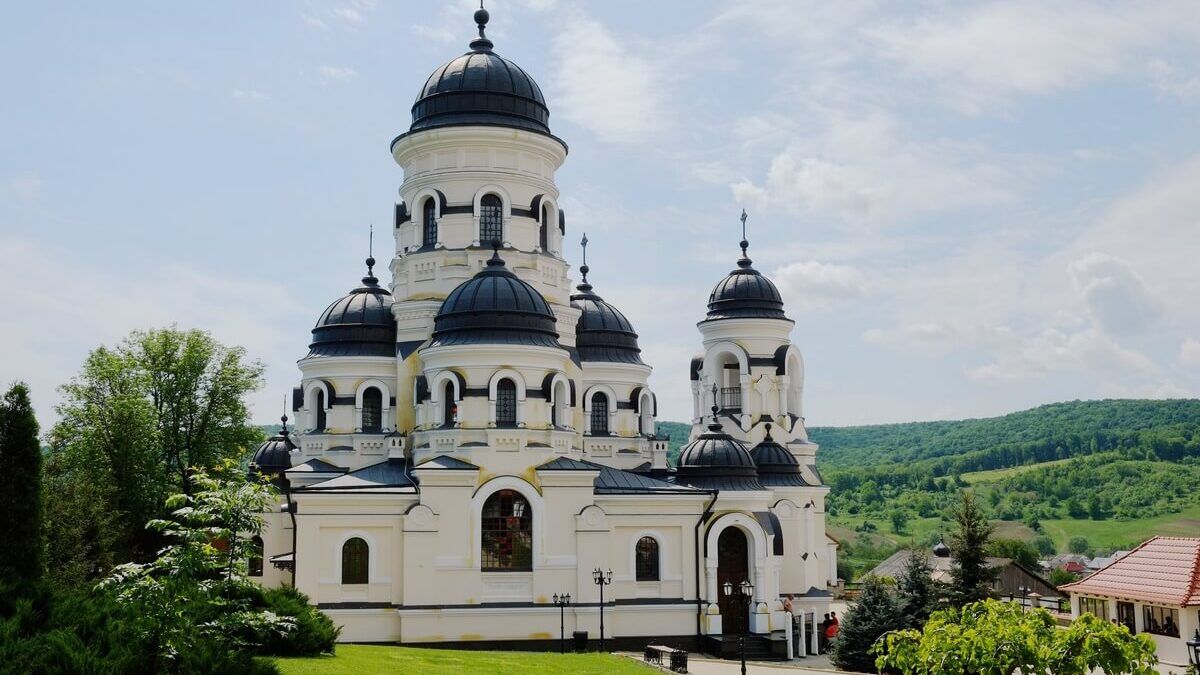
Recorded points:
1024,592
1194,649
562,601
744,592
601,579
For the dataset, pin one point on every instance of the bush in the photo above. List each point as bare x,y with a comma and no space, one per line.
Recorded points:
314,633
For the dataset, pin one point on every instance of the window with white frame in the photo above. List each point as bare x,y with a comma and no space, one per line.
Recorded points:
1097,607
356,561
599,417
491,219
506,403
1160,620
372,410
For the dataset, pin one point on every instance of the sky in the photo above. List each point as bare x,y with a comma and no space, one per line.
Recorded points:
970,208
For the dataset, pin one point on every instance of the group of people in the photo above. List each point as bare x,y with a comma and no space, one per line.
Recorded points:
828,631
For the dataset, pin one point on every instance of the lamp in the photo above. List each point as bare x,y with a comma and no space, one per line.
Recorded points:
1194,649
601,579
562,601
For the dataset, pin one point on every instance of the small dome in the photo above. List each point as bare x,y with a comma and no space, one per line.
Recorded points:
776,466
745,294
495,307
357,324
481,88
715,461
274,456
602,332
941,550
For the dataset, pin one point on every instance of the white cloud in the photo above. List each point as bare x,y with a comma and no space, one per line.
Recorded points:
812,284
437,34
330,74
27,187
1167,79
313,22
620,99
982,55
253,95
349,15
1053,350
1115,295
256,313
1189,352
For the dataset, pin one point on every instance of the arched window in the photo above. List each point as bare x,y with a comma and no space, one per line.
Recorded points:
559,413
646,415
429,221
372,410
449,406
506,403
544,229
355,561
255,564
647,559
599,424
507,533
491,219
320,405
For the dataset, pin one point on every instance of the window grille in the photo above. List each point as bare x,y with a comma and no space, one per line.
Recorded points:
506,403
599,420
372,410
355,561
429,219
647,559
491,220
506,533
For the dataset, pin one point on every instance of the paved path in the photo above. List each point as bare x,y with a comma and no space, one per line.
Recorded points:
700,665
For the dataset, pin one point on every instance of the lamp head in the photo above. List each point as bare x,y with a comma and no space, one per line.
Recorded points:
728,589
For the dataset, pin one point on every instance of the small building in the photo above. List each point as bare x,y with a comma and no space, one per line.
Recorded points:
1100,562
1155,589
1014,581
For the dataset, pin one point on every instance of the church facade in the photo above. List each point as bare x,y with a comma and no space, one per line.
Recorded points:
478,437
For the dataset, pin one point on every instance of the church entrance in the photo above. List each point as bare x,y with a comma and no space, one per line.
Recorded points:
733,565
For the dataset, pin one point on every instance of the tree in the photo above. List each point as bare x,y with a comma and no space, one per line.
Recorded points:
869,618
1059,577
999,638
21,557
899,521
971,577
916,591
139,417
1044,545
196,591
1078,545
1014,549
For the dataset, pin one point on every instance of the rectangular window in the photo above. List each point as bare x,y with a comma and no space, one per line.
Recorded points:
1095,606
1160,620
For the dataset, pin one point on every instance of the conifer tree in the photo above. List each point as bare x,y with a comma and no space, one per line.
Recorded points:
916,591
21,557
869,618
971,578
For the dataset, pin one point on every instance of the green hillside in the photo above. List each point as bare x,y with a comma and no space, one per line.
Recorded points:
1112,471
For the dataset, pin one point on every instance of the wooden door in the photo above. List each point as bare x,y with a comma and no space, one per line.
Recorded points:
733,565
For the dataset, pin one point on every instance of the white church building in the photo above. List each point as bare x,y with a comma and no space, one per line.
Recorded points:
477,437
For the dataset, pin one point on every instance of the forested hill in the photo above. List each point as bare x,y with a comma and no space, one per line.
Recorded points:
1049,432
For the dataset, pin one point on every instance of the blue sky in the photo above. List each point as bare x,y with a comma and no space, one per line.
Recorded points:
971,208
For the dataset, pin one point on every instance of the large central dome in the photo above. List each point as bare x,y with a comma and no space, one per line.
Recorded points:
481,88
495,307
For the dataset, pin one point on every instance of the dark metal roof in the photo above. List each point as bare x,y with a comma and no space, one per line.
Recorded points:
745,294
777,467
602,332
495,307
481,88
316,465
274,456
716,461
612,481
359,323
448,463
390,473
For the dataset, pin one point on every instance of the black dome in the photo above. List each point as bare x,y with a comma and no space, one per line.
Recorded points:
274,456
941,550
495,307
602,332
745,294
357,324
715,461
776,466
481,88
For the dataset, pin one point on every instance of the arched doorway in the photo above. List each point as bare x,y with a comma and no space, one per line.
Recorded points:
733,565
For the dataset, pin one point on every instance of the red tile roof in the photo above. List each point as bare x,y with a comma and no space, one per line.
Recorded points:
1164,570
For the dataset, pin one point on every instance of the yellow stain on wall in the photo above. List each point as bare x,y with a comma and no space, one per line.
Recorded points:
540,636
468,637
541,599
530,475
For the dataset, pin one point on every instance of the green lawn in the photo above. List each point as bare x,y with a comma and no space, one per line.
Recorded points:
364,659
1115,533
994,475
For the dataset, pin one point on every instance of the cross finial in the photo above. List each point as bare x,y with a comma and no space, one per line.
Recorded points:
584,269
744,244
284,418
370,256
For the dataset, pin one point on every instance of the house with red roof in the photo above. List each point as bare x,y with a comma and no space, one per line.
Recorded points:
1155,589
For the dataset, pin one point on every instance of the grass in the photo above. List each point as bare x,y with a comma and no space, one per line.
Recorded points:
994,475
1112,534
363,659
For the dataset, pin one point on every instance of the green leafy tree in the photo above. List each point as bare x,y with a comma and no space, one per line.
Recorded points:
195,591
899,521
21,557
916,592
970,577
135,422
869,618
1078,545
1059,577
1015,549
1044,545
998,638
